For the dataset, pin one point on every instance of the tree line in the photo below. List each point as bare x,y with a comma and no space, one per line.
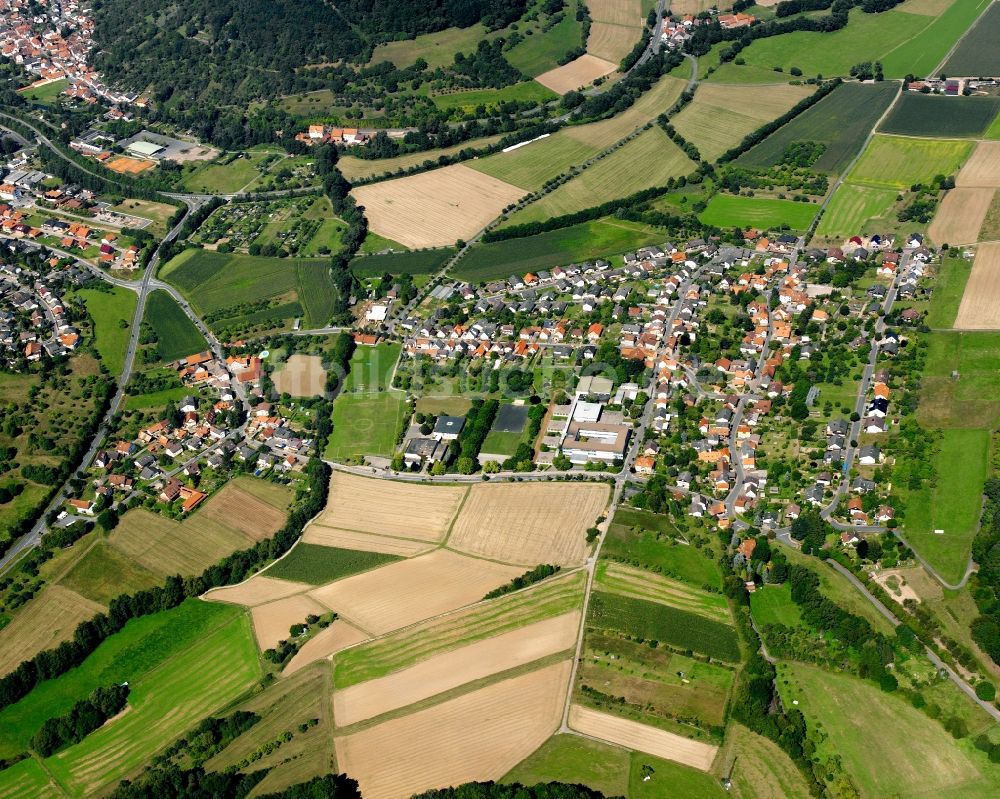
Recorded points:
83,718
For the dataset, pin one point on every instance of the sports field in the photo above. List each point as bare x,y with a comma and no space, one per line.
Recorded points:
581,242
853,712
898,162
110,307
578,73
648,160
300,376
720,116
176,334
841,121
960,216
727,211
934,116
851,207
435,209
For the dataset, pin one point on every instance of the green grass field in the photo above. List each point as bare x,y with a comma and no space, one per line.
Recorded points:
541,51
468,101
897,162
720,116
420,262
47,94
851,207
949,286
113,309
772,604
317,565
531,166
866,729
367,413
921,55
585,241
228,178
104,573
977,54
934,116
728,211
176,334
437,49
498,442
950,502
841,121
760,768
973,400
648,160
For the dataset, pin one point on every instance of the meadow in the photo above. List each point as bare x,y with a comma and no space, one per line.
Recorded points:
935,116
354,168
418,262
851,207
853,714
585,241
113,309
728,211
646,161
540,51
643,619
923,52
949,285
773,604
977,54
317,565
216,178
46,94
973,400
176,334
468,101
157,213
897,162
720,116
842,121
437,49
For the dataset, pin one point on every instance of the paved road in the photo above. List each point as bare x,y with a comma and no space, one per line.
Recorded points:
967,689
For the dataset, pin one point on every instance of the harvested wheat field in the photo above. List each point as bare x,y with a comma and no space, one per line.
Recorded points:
479,736
47,620
301,376
980,307
642,738
365,542
388,507
450,670
412,590
435,208
325,644
271,621
258,590
241,511
612,42
982,170
529,523
579,72
960,216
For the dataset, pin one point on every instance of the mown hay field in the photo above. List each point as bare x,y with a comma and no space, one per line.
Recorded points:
617,26
389,507
983,167
45,621
271,622
617,578
578,73
533,165
642,737
258,590
851,207
354,168
528,524
980,307
476,737
323,645
760,768
450,670
841,121
899,162
960,216
399,650
726,210
435,208
646,161
412,590
720,116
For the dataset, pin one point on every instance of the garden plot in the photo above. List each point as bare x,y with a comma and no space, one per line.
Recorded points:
452,669
435,208
409,591
529,524
479,736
